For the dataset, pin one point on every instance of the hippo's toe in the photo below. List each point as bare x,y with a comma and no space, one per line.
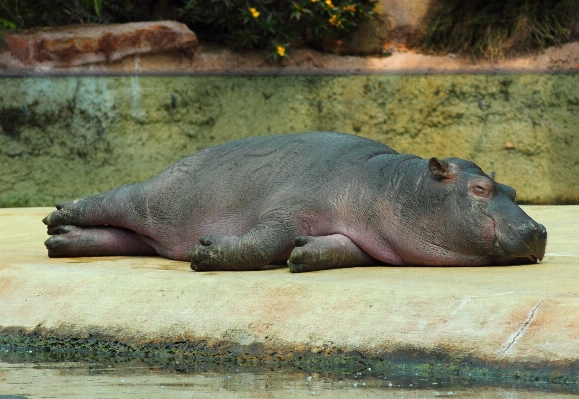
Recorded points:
208,255
55,218
58,246
297,267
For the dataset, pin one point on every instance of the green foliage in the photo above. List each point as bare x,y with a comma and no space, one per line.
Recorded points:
243,23
494,28
6,24
275,24
98,5
24,14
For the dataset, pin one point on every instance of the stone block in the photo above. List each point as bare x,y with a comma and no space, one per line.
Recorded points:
67,46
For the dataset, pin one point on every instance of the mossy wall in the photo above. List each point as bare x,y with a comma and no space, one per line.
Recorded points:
69,137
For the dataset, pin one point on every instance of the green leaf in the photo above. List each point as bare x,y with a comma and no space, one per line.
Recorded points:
6,24
98,7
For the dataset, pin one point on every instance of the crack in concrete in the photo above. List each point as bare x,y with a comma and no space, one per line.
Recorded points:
518,334
465,300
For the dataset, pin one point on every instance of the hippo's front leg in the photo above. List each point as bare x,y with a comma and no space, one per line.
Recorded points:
254,250
327,252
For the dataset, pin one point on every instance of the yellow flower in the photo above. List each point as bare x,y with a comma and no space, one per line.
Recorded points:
314,1
280,50
329,3
254,12
349,8
334,21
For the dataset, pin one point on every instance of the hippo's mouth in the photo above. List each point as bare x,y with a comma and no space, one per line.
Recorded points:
525,260
514,259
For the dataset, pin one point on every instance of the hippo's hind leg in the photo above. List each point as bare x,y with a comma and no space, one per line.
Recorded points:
327,252
89,211
113,207
98,225
74,241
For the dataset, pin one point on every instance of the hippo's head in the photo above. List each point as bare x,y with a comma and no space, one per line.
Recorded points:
464,217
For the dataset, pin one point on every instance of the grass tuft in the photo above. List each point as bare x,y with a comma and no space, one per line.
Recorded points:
494,29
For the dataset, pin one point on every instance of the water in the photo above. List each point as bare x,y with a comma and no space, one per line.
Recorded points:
137,378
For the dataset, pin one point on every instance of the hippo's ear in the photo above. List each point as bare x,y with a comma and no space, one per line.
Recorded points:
492,176
440,168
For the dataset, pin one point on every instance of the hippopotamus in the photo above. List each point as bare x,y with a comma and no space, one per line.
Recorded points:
315,200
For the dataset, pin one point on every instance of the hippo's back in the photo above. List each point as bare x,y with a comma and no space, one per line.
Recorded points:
309,145
261,161
226,188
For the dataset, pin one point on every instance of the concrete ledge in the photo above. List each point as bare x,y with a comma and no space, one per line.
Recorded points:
523,317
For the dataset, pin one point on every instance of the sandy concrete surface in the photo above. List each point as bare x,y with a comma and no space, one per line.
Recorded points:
504,314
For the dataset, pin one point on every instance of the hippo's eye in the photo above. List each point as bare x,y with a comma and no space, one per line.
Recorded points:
480,189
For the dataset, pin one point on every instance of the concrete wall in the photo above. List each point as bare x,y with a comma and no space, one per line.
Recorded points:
64,138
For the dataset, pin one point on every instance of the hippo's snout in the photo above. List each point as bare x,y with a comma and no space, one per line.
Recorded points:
533,240
525,241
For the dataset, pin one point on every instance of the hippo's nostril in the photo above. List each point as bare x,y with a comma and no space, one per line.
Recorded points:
542,231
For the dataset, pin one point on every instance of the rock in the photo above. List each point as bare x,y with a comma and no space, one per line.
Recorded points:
404,15
395,21
368,39
67,46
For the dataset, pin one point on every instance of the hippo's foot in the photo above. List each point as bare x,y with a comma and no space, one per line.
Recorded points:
80,212
211,254
231,253
327,252
73,241
90,211
59,217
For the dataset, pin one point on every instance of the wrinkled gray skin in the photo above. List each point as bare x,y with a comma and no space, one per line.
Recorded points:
314,200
